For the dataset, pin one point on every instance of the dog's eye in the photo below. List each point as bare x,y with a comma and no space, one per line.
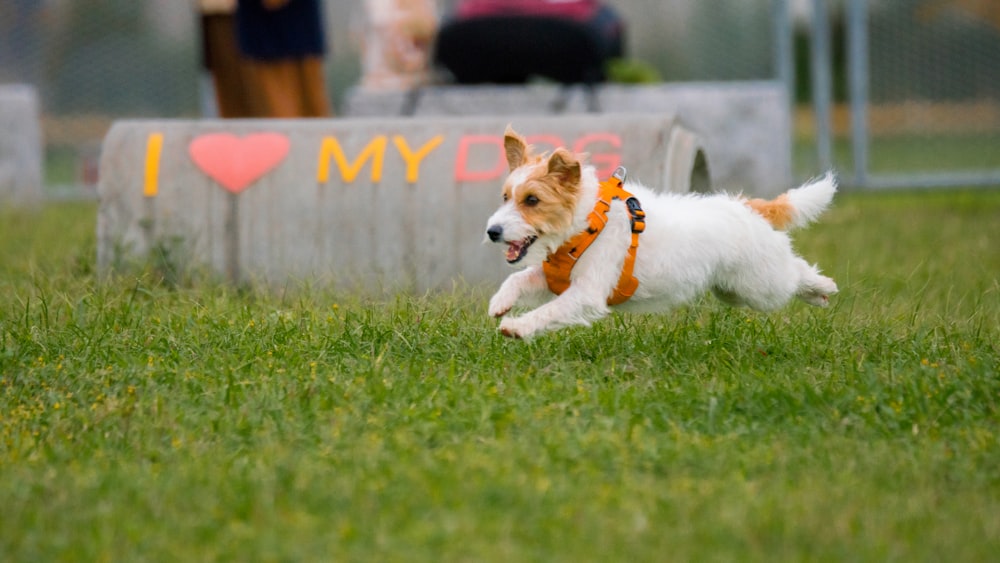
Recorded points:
531,201
505,198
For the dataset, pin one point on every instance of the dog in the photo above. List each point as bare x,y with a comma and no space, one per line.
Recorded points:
677,246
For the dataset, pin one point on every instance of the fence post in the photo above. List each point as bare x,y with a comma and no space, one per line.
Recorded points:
857,71
783,53
784,60
821,82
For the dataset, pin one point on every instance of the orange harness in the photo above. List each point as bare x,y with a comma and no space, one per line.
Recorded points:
559,264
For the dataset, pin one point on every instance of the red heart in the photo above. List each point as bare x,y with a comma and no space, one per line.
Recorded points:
236,162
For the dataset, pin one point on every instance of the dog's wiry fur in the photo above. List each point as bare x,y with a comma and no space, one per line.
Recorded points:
730,245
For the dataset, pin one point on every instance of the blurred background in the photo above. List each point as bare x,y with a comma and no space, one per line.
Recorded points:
925,80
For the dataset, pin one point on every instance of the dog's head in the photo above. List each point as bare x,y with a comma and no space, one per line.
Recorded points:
539,199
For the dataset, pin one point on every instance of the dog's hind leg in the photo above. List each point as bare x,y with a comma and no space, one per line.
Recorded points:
728,297
814,288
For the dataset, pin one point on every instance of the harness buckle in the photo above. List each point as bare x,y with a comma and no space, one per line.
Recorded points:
636,215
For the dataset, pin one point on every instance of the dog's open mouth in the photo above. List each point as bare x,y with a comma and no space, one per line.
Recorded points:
516,249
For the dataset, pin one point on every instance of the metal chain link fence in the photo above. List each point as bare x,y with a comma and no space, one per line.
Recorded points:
925,92
934,69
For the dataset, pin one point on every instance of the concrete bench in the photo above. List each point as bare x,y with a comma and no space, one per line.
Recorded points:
387,203
21,173
745,126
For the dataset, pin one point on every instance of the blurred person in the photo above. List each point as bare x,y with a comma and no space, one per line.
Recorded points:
510,41
399,38
284,43
234,92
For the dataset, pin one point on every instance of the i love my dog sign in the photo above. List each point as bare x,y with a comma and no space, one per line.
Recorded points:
390,203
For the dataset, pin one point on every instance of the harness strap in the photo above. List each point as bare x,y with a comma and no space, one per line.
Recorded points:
560,263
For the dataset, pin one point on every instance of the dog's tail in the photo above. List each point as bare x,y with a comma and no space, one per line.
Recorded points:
797,207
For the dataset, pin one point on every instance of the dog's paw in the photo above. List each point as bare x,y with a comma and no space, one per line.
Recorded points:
501,303
498,311
818,292
509,334
516,328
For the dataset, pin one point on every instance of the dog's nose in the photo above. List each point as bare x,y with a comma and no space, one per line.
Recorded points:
494,232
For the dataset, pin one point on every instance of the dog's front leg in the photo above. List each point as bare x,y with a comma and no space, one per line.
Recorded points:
527,281
575,306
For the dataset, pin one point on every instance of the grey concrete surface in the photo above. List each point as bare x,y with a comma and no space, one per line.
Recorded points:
21,172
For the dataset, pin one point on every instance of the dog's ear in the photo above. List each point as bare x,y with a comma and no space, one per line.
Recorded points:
565,166
515,147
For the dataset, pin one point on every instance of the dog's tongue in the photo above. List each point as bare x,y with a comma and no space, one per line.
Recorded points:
514,250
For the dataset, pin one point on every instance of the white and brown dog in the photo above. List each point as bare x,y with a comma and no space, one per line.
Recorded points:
554,207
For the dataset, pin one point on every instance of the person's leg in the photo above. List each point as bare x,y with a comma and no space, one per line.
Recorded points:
277,81
235,92
312,81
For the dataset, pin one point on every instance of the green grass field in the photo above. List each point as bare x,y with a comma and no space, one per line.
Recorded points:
147,421
908,154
